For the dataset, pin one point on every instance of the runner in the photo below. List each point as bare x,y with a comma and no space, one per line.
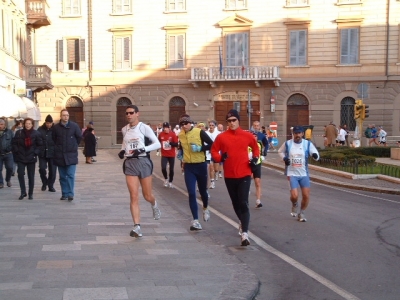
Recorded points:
169,142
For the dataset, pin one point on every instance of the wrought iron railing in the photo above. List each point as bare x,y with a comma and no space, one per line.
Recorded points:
235,73
358,166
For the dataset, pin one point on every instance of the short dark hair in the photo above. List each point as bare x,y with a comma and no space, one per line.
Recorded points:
135,108
29,119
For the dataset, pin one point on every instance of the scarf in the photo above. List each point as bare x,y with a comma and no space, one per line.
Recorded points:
28,140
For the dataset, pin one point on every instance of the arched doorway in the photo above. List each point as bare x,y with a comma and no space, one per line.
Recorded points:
74,106
122,103
347,113
176,109
297,112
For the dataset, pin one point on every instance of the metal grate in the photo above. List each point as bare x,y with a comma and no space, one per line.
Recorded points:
123,101
297,99
347,113
177,101
74,102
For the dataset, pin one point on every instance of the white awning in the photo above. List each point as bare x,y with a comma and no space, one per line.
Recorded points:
11,106
32,109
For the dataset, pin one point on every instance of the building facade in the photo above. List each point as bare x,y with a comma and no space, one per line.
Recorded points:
288,61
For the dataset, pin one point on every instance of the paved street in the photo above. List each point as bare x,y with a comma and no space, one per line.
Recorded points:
52,249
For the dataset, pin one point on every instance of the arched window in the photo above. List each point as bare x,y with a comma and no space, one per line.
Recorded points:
297,112
297,99
74,106
347,113
122,103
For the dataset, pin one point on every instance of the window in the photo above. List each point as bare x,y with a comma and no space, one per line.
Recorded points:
296,2
349,46
122,50
71,7
122,7
347,113
237,49
71,55
235,4
176,5
176,51
298,48
349,1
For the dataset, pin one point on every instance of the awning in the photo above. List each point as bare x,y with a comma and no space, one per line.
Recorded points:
11,106
32,109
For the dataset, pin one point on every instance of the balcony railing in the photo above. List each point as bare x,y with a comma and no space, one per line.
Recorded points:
250,73
36,13
39,77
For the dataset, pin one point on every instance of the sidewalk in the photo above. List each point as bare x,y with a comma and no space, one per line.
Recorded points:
81,250
379,184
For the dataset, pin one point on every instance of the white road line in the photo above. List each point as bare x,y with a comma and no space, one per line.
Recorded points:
329,284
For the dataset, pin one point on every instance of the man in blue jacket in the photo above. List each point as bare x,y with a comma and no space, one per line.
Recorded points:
67,136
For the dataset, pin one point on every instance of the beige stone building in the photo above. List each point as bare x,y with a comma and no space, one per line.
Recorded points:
300,61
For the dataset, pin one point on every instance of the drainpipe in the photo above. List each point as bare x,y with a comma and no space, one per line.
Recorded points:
90,53
387,39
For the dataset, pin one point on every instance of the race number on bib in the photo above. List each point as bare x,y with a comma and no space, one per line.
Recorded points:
132,145
166,145
297,161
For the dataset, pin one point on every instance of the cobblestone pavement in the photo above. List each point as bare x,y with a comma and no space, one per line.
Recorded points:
52,249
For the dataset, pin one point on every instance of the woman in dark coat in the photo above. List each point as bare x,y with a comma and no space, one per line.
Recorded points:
90,145
26,144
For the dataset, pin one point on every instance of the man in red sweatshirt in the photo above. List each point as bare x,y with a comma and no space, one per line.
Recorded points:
169,142
231,148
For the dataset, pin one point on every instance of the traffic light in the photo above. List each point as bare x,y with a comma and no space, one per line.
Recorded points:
365,112
358,108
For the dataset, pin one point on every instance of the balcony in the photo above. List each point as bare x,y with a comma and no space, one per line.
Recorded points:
39,78
215,74
36,13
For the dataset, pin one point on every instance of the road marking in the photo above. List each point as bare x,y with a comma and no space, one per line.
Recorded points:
329,284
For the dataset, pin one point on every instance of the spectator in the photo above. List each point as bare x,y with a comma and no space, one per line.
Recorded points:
6,156
90,145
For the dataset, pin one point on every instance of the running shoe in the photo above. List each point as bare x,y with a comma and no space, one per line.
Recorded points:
195,225
136,232
240,228
216,175
166,182
212,186
301,217
206,214
258,203
170,185
220,175
294,210
245,239
156,212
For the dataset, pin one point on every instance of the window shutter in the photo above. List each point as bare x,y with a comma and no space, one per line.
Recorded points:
118,53
117,6
180,53
353,51
60,55
349,46
172,51
230,50
302,47
127,53
82,55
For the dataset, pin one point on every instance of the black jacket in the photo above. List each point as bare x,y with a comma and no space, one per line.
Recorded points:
66,138
48,143
6,141
90,143
25,154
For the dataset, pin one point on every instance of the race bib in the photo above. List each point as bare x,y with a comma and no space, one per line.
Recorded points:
166,145
297,161
131,146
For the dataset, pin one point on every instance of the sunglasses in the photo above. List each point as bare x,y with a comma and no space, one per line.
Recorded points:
185,123
231,120
130,112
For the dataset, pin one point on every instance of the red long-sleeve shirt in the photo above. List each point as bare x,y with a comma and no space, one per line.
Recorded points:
235,143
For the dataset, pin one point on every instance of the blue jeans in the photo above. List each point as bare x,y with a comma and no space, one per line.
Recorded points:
8,162
196,172
67,180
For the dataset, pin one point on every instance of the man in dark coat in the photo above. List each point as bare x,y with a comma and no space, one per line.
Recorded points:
67,136
6,156
46,156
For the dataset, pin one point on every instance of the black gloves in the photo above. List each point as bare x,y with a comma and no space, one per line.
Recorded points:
254,161
136,152
315,156
286,160
224,156
121,154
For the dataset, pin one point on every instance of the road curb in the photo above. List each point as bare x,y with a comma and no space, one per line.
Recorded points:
333,182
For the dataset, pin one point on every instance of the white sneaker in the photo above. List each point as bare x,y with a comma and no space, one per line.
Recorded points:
240,228
258,203
136,232
166,183
170,185
220,175
245,239
294,210
206,214
301,217
212,186
156,212
195,225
